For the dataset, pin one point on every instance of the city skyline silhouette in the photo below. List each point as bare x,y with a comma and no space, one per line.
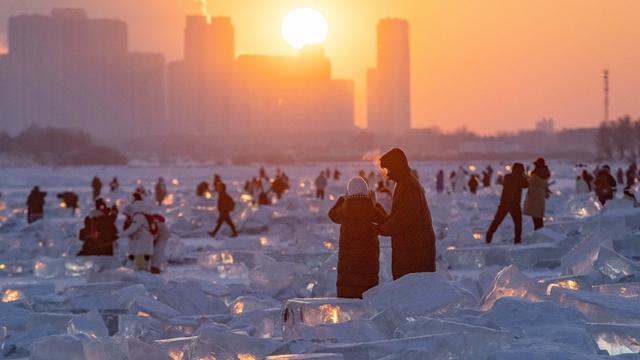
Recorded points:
489,67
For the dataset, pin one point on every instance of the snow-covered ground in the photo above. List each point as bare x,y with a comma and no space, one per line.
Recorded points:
570,291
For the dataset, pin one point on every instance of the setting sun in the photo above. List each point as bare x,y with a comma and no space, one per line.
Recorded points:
304,26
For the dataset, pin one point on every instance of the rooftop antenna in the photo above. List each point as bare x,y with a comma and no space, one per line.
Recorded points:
606,95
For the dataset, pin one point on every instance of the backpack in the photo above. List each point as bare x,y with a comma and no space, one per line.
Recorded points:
228,205
152,221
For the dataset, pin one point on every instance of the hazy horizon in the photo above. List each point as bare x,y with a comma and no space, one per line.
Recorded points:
494,66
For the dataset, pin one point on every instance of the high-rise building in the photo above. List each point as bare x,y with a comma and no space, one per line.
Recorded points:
389,84
212,93
66,70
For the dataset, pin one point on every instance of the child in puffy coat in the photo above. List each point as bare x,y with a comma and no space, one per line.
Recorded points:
359,250
139,230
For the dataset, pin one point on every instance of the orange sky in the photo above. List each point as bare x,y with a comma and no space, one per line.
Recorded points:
490,65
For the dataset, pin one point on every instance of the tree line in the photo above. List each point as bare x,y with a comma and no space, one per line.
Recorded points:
618,139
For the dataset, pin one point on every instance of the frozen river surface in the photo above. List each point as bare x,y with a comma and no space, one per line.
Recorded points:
570,291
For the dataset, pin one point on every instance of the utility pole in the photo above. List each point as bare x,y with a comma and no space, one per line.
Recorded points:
606,95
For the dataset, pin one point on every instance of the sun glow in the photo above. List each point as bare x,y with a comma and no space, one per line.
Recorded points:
304,26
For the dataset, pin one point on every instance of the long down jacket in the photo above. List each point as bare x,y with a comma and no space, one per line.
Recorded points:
534,203
359,250
413,241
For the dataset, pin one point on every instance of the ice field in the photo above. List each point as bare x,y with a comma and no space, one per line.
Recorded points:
570,291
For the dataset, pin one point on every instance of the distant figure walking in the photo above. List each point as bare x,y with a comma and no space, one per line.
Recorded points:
510,200
473,184
279,185
487,174
440,182
114,185
605,185
141,228
96,186
413,241
161,191
225,206
35,205
69,200
100,231
320,184
538,193
336,174
359,250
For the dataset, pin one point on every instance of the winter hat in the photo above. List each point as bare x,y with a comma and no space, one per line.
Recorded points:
357,186
540,162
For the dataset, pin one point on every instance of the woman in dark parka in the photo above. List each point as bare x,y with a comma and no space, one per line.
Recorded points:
359,250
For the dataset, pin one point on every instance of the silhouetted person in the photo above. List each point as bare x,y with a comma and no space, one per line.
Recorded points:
500,180
453,178
114,185
225,206
631,175
100,231
35,205
440,182
510,200
605,184
413,241
538,193
279,186
202,189
96,186
321,185
487,174
473,184
161,191
69,199
620,176
588,178
262,174
359,250
336,174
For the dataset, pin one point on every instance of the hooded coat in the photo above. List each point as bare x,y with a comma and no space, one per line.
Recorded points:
413,241
534,203
359,250
140,237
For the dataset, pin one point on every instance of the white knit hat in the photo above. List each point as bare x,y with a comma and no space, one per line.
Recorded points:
357,186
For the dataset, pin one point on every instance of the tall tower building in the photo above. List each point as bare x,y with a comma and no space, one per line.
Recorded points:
389,84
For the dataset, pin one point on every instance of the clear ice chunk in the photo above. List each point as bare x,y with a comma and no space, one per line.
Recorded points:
599,307
89,324
306,357
631,289
276,276
313,312
510,282
613,265
47,268
417,294
615,339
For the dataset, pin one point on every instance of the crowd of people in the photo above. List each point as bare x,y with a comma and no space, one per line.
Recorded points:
605,185
359,213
